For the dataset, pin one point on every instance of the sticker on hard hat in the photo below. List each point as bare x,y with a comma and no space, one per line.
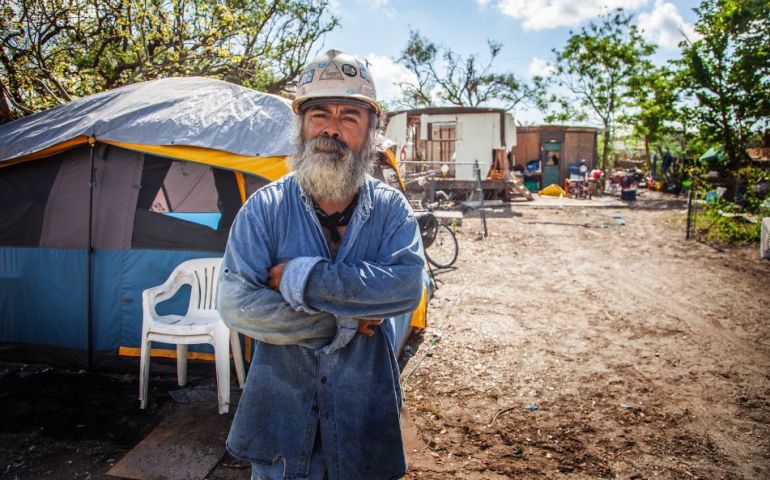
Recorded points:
306,77
364,74
349,70
331,72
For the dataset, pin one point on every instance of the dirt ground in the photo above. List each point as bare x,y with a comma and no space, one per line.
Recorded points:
564,345
569,350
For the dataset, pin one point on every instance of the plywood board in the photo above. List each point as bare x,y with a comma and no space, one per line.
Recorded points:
527,147
581,146
186,445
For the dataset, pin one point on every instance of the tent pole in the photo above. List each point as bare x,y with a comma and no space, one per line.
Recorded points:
91,181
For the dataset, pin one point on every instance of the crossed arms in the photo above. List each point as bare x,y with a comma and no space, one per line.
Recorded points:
301,300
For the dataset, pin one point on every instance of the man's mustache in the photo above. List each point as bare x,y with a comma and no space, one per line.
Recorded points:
325,144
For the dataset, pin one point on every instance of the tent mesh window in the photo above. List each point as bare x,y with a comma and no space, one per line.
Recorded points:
24,191
184,205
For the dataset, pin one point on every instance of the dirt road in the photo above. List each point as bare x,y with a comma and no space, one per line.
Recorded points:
576,347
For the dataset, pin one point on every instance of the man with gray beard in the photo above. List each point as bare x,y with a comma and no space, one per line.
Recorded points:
317,264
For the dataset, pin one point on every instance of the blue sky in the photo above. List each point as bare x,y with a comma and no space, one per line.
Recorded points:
378,30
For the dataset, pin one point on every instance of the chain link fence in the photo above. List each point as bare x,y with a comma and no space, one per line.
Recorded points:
441,187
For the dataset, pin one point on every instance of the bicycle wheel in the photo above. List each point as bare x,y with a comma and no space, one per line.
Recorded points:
428,224
443,251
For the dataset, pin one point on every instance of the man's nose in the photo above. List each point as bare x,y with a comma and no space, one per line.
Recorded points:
331,129
330,133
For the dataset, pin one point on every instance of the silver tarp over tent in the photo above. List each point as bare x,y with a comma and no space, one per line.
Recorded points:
194,111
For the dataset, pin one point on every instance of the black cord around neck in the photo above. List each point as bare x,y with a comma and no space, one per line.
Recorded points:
339,219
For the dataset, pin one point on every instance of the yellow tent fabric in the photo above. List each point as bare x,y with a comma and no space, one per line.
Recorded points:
271,168
419,316
553,190
47,152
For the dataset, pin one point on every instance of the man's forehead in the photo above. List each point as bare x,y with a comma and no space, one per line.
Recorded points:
336,104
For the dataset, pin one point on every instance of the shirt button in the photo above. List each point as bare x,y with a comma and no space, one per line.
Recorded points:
323,379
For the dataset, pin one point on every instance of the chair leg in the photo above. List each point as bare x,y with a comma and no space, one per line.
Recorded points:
144,372
235,345
222,360
181,364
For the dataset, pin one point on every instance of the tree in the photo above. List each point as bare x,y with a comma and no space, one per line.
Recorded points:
447,76
56,50
728,71
654,99
595,67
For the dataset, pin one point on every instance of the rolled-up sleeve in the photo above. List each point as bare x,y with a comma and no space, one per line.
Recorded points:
294,279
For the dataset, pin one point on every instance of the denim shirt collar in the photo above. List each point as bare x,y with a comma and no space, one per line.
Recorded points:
360,215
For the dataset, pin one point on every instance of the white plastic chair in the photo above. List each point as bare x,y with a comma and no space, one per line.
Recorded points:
201,324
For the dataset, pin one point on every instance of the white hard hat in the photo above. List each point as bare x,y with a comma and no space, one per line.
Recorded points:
335,75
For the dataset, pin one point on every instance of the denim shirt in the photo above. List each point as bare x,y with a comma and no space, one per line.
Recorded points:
308,368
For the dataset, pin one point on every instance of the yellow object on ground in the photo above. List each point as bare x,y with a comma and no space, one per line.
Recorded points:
553,190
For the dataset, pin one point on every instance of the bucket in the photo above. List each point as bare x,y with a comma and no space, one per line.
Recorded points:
628,195
531,185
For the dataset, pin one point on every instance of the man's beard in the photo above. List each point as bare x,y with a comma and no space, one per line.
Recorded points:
326,168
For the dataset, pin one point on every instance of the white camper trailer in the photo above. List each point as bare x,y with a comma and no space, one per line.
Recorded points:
448,140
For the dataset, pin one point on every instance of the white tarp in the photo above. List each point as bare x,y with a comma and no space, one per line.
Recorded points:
192,111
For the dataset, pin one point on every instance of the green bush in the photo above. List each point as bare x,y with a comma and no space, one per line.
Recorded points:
723,228
753,185
749,198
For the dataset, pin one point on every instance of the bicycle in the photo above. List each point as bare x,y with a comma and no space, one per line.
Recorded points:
438,239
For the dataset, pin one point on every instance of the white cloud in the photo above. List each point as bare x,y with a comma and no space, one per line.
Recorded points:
664,25
387,75
540,67
549,14
382,7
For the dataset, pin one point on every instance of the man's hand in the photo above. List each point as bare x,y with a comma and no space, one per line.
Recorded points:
366,326
274,275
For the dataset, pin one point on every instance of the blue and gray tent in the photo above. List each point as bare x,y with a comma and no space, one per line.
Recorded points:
158,171
102,197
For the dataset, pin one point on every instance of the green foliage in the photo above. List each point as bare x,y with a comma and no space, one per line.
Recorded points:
727,70
729,221
418,57
53,51
754,186
722,228
654,93
566,110
598,65
457,80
